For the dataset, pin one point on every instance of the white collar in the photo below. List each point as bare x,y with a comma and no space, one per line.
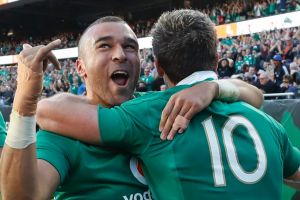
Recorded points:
198,76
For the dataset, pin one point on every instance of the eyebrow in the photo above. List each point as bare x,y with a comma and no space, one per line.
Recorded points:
105,38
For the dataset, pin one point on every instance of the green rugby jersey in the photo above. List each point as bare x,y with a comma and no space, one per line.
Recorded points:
248,59
90,172
2,131
229,151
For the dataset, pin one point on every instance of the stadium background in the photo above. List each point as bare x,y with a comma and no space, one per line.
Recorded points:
40,21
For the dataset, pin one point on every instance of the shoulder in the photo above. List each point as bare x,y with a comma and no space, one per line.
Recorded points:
52,139
151,98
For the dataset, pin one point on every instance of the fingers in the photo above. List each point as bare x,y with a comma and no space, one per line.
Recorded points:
27,46
165,113
180,124
193,110
43,52
170,119
54,60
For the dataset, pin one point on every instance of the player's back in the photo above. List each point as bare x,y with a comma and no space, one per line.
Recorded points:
229,151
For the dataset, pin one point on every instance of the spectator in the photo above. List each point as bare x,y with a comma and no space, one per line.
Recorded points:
279,69
224,69
288,85
147,79
266,84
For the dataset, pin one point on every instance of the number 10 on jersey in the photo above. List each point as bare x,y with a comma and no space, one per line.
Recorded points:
230,151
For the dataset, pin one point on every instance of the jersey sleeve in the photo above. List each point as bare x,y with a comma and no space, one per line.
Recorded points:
2,131
56,150
120,129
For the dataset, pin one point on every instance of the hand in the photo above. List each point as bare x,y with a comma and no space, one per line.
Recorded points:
36,58
183,105
32,62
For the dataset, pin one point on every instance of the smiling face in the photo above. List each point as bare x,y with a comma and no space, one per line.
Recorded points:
109,63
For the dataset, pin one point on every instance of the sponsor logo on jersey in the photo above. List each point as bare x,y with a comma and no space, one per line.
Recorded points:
139,196
137,171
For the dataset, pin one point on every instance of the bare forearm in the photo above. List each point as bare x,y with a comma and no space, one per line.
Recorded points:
69,115
19,173
249,93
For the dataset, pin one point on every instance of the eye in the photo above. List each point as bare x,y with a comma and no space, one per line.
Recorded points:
104,46
130,47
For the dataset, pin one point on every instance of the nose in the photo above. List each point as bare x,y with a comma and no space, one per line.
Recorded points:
119,54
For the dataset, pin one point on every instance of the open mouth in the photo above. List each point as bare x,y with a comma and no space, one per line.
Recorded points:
120,77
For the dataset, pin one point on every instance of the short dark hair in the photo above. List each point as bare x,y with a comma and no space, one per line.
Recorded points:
98,21
184,41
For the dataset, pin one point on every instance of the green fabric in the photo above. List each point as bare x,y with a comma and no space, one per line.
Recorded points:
238,65
2,131
256,37
272,8
265,12
133,126
74,89
148,80
287,113
227,41
248,59
88,172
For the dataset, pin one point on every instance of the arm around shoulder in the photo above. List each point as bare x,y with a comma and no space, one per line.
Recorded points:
71,116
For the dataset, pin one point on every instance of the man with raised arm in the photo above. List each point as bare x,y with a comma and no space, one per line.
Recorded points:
109,63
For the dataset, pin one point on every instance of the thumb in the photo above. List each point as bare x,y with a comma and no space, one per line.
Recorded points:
27,46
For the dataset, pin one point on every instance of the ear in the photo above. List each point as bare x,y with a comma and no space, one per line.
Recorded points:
80,68
160,70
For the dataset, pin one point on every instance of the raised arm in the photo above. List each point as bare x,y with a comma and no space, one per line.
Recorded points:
22,175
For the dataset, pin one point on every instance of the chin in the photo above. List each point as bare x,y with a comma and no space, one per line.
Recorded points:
121,99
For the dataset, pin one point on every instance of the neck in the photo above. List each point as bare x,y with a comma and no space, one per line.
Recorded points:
168,82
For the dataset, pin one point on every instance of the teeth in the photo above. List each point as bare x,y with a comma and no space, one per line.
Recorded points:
121,73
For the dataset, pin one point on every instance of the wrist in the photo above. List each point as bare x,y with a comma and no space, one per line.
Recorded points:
29,88
21,131
227,91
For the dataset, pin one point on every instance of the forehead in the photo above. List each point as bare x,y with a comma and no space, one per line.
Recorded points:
113,30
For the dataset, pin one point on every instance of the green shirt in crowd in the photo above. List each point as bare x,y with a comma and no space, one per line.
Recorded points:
248,59
2,131
229,151
238,65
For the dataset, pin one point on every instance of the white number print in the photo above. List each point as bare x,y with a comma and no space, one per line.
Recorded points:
231,154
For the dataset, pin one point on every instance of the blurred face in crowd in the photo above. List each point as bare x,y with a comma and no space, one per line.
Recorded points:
111,64
252,70
229,54
263,79
265,47
146,71
224,63
243,52
277,63
247,51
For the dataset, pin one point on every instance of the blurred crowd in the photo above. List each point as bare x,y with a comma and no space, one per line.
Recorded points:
269,60
226,12
235,11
